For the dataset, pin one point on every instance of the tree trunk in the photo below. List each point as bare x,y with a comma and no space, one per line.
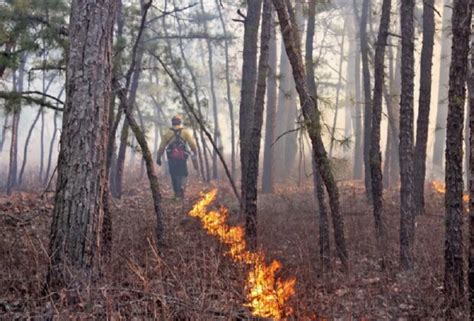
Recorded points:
229,96
349,95
250,201
470,169
387,159
442,110
291,136
291,144
467,153
391,147
132,94
407,204
358,154
338,90
268,153
118,180
13,164
319,197
311,116
30,132
284,92
27,143
375,152
143,131
393,103
364,49
41,169
4,131
51,149
324,240
51,146
12,168
78,211
247,91
152,177
114,119
454,271
424,105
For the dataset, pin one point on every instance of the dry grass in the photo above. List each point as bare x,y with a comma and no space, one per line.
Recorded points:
191,279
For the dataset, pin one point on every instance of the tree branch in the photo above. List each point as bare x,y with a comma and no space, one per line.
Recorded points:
9,95
165,13
284,134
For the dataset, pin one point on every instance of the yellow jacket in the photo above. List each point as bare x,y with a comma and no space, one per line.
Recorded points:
169,135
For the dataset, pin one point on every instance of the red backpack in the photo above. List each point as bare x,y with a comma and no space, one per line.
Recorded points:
177,148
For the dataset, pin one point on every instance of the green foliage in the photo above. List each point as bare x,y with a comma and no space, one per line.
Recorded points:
14,100
29,26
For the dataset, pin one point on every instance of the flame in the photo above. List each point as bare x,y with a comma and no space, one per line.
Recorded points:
440,188
267,295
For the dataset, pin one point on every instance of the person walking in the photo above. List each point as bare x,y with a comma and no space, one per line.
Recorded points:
177,141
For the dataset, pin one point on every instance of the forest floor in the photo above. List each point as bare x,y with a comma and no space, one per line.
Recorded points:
191,278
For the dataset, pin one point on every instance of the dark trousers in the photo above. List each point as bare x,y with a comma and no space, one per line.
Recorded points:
179,173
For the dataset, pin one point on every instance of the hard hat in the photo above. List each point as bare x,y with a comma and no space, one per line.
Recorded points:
176,120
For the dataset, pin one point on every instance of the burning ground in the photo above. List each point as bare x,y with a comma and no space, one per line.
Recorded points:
196,276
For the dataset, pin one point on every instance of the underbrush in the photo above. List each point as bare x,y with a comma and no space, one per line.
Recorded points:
190,278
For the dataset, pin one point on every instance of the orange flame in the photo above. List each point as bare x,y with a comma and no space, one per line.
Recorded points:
267,295
440,188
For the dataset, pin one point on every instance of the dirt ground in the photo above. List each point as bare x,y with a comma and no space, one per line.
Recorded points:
190,278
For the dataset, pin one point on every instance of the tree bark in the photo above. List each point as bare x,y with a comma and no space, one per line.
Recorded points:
358,138
424,105
285,91
442,108
27,143
375,152
349,95
324,245
119,166
392,97
311,116
268,153
130,101
151,172
247,92
388,159
338,91
470,169
215,114
229,96
291,136
4,131
364,49
51,149
78,211
250,201
454,270
407,204
41,169
12,167
13,164
28,137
